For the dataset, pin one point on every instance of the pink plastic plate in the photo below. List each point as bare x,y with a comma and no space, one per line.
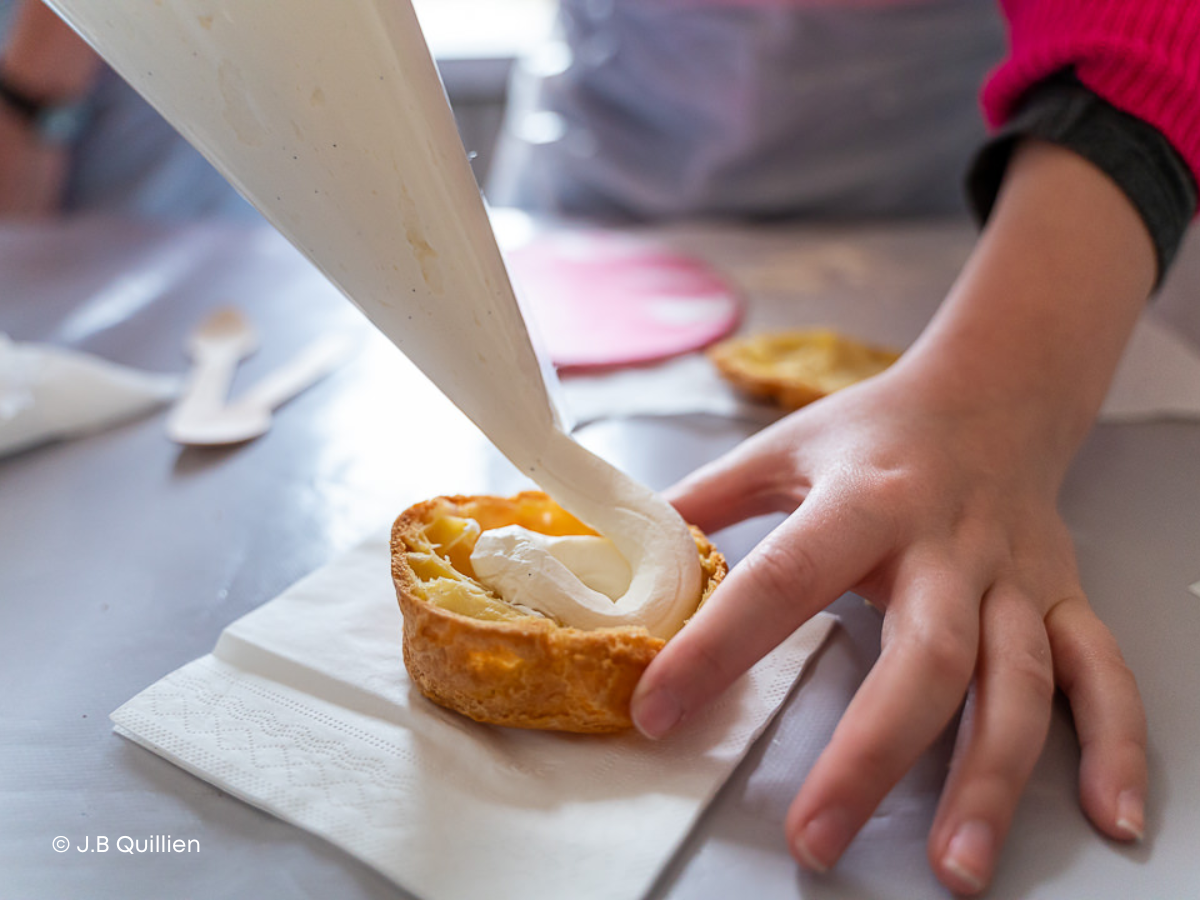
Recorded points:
601,299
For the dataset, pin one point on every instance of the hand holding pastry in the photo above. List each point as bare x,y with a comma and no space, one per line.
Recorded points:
931,491
472,650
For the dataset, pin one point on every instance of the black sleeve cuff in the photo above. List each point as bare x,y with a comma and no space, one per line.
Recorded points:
1133,153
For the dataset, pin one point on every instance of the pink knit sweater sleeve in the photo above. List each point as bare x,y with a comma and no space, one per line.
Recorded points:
1142,56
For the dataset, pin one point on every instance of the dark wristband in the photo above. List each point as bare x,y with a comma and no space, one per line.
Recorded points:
54,123
1134,154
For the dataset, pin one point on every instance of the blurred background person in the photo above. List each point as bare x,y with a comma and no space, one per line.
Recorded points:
75,138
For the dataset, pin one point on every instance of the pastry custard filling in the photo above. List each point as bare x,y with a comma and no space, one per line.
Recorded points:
442,564
518,560
444,557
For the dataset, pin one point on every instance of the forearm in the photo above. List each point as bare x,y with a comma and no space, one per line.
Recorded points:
1032,332
46,62
45,58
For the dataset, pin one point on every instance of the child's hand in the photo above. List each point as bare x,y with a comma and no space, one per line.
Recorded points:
949,526
931,490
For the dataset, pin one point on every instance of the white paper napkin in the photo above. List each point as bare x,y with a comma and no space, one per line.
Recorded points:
304,710
1159,378
686,385
49,392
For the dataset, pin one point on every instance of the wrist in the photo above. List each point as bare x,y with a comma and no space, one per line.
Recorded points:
1008,423
1033,329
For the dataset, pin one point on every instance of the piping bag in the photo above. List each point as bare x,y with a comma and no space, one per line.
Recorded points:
331,119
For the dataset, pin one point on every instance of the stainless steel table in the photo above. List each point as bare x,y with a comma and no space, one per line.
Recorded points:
122,557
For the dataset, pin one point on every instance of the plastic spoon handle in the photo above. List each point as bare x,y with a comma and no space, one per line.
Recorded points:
314,363
217,345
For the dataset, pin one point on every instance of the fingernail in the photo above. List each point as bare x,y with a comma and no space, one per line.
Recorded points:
656,713
1131,814
823,840
969,855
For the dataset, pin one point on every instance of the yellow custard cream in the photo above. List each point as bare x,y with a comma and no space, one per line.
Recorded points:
330,118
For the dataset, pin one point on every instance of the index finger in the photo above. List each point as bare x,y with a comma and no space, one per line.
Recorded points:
811,559
744,483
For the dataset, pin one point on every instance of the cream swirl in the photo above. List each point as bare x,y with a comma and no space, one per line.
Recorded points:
650,555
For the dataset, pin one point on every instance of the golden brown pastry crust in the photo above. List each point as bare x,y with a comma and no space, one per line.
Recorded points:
794,368
526,671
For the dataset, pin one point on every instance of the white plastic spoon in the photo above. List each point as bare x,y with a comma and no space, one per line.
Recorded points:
216,347
249,416
206,423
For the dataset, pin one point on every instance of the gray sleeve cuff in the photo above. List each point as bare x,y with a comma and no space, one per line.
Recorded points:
1133,153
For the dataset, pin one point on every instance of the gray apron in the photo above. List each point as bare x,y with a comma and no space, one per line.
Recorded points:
642,110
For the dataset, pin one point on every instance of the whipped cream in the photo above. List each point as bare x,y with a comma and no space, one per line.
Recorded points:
331,119
503,559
